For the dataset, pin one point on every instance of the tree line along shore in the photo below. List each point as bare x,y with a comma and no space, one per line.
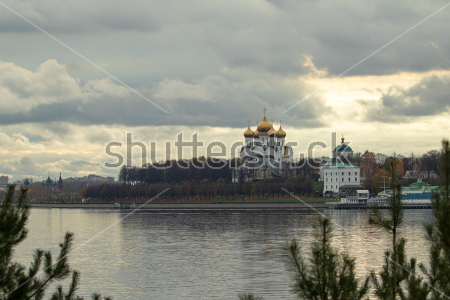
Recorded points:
203,192
213,181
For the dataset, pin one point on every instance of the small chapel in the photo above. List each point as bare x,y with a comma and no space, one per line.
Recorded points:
265,154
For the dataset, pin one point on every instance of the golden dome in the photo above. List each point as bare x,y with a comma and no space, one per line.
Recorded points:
272,131
256,134
281,133
248,133
342,138
264,126
286,153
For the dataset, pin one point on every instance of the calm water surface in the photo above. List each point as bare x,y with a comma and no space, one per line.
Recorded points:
201,255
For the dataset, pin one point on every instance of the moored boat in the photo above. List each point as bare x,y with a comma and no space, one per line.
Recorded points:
122,205
417,195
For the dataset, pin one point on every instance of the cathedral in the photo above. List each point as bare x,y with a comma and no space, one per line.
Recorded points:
265,154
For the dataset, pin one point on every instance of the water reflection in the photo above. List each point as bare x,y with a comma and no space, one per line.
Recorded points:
199,255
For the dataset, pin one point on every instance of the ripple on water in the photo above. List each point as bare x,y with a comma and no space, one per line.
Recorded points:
195,255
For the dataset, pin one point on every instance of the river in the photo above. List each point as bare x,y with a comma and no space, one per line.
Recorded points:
214,254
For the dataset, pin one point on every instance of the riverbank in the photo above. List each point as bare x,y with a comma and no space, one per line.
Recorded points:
194,206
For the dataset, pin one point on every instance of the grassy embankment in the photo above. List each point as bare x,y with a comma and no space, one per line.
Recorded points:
318,186
282,197
292,200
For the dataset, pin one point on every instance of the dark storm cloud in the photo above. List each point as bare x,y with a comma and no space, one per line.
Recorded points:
217,101
75,17
269,36
187,112
427,98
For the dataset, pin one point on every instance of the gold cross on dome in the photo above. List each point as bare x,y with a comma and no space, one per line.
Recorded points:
248,123
264,110
280,123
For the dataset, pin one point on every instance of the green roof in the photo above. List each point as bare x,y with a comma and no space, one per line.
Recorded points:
343,148
415,186
407,189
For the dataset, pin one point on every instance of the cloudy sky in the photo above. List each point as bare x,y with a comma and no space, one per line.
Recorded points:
209,66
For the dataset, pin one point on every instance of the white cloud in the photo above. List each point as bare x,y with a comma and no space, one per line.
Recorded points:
18,141
25,167
177,89
22,90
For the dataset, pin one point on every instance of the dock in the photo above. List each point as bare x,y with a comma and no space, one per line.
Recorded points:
380,206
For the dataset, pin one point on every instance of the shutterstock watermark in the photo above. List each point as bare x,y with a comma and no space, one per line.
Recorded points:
254,154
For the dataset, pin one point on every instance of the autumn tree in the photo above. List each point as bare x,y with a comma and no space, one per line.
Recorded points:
431,160
381,176
399,168
418,165
356,159
369,168
380,158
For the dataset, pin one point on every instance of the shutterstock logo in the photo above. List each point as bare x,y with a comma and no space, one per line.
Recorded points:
120,153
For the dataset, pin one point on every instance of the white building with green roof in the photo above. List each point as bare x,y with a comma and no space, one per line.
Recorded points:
340,176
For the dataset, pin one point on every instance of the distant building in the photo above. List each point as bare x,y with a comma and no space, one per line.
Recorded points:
96,178
342,153
60,183
24,182
90,180
264,154
424,187
434,175
49,181
417,173
27,182
4,180
340,178
343,150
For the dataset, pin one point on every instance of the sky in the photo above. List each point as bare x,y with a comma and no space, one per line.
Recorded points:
377,72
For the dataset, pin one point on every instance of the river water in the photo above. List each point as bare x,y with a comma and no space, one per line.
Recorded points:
201,254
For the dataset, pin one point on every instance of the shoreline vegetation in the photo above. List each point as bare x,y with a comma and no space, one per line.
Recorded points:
290,203
205,192
299,207
220,200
